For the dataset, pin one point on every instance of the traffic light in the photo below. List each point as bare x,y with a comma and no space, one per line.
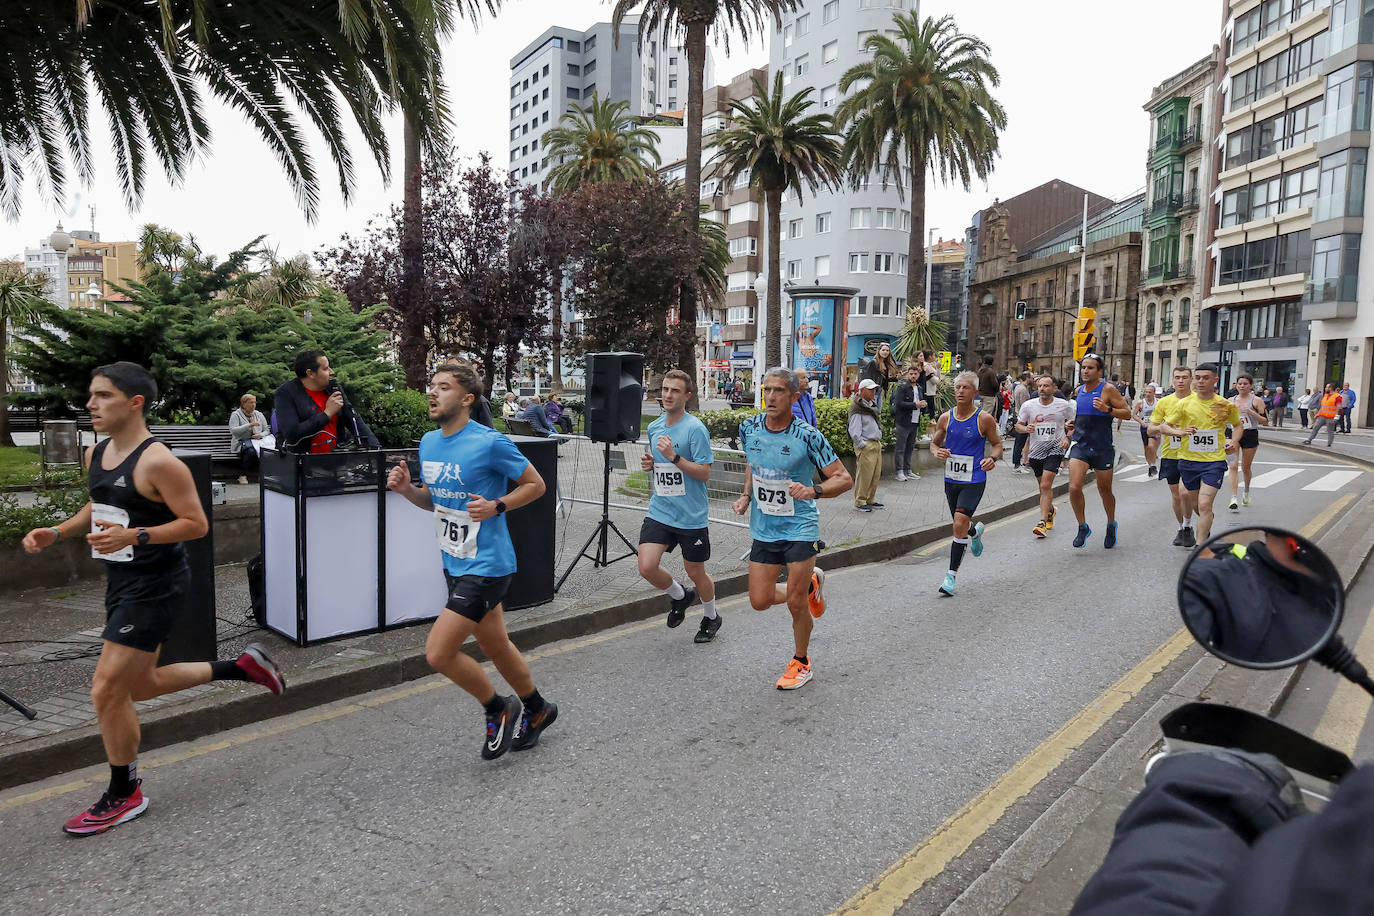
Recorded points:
1020,311
1084,334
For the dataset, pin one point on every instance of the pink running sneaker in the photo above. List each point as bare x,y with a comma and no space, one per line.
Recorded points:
261,669
108,812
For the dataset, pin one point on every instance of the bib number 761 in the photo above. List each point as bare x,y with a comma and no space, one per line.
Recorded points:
456,532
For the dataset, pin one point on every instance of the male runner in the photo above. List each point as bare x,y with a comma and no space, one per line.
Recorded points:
1201,421
679,461
1253,415
783,454
1168,456
1141,410
1097,404
466,469
1046,422
143,505
960,441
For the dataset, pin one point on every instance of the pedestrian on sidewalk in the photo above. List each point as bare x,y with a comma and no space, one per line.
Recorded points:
883,370
143,506
1326,415
1347,407
1278,406
988,388
805,407
1304,401
867,434
1019,396
907,403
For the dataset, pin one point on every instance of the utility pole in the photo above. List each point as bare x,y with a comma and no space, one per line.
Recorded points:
1082,274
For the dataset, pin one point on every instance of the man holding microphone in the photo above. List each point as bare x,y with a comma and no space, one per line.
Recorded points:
312,413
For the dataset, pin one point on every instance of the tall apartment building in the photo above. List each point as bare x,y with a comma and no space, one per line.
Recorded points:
845,237
1294,118
1177,220
565,66
727,333
81,267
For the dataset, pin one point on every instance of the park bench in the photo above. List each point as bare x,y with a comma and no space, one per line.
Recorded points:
212,439
28,421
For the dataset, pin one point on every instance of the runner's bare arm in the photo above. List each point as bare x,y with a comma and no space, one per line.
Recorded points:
837,480
399,481
741,505
937,440
529,487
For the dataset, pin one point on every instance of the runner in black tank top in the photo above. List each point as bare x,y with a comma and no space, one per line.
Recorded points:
1097,404
140,512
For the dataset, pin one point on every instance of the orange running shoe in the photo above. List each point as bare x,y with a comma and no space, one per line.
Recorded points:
814,599
795,675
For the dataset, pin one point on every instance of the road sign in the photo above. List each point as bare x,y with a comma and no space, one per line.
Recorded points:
946,361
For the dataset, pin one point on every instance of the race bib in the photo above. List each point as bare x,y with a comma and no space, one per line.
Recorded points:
1175,442
1247,421
1047,431
772,498
115,516
669,480
456,531
1204,440
959,467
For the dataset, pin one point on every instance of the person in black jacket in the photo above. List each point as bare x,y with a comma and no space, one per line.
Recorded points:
907,404
311,412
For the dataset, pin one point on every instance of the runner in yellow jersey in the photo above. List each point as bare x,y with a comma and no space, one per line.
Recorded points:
1168,455
1201,421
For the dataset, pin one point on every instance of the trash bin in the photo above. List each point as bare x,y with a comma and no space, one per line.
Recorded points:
61,443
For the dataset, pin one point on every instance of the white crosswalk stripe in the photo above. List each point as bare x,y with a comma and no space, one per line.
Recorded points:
1269,478
1333,481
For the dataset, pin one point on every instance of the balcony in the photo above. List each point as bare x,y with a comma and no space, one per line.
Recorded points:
1170,144
1166,273
1188,203
1167,205
1189,139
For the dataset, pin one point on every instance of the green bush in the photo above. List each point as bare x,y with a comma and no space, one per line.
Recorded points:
399,417
53,506
724,424
832,415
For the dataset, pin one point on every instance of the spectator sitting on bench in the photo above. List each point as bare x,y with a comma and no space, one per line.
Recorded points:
558,416
532,412
509,408
246,424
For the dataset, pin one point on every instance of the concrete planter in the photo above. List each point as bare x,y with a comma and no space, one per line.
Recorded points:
236,525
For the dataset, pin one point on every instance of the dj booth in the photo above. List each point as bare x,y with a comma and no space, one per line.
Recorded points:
343,555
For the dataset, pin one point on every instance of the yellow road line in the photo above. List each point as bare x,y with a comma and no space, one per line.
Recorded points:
895,886
1344,718
1314,527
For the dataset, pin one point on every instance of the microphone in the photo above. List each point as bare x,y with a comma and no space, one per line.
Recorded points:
334,386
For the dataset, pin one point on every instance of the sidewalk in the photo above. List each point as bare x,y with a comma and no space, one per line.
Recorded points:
52,635
1357,444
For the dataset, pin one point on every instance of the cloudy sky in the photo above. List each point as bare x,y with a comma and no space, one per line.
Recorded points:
1075,75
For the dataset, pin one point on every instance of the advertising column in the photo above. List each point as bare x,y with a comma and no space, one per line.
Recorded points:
819,326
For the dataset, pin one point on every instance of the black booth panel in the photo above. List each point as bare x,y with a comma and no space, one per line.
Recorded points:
532,528
193,631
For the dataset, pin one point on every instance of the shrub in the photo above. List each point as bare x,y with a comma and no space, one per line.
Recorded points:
399,417
724,424
52,506
832,415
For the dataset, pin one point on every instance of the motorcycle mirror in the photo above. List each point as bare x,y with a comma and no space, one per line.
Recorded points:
1261,598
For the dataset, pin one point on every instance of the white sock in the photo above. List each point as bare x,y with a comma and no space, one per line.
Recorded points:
1182,525
676,591
708,608
952,574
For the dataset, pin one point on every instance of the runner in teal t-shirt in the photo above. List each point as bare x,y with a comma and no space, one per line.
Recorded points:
466,470
678,460
783,454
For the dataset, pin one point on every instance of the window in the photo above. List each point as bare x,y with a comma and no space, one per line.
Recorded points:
1185,320
803,25
859,306
575,46
1264,198
803,64
741,179
858,262
882,262
793,270
739,314
546,70
589,44
1150,318
901,306
822,223
740,281
823,265
744,246
1300,188
534,144
1346,106
882,305
590,68
574,70
787,36
1166,322
573,93
906,220
830,12
544,118
1350,24
830,52
1108,287
865,35
1235,207
1243,88
1335,267
1246,31
1286,255
672,82
828,97
514,91
901,264
887,218
794,229
860,218
1342,180
544,95
740,213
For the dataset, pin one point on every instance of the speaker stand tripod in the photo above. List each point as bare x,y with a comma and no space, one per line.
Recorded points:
603,529
11,701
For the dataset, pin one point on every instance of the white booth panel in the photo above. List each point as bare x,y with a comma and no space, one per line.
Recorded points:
341,564
415,588
279,551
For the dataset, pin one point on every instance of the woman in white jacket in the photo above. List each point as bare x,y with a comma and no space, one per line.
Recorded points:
246,424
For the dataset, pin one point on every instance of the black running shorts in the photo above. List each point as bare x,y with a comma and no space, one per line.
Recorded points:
1050,464
1249,438
695,542
964,497
1097,459
141,605
1168,470
780,553
473,596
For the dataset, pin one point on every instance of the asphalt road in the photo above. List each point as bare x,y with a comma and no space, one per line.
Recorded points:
677,780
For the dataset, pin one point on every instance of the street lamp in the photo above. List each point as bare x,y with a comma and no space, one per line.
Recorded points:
1224,317
93,294
760,336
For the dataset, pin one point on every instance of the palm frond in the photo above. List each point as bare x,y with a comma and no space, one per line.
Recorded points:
599,143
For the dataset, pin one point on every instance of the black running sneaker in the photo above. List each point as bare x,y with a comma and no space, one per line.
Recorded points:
532,726
1180,537
710,626
501,729
680,606
1084,532
1109,540
1189,538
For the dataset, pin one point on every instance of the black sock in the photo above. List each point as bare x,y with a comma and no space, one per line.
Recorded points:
123,780
956,554
534,703
227,670
804,659
496,705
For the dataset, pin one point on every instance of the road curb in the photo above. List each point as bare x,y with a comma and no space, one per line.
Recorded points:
1263,692
45,756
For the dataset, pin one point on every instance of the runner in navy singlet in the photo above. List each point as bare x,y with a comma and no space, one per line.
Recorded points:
960,441
1097,405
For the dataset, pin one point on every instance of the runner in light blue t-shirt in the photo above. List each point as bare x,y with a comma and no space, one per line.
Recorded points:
678,460
466,469
784,454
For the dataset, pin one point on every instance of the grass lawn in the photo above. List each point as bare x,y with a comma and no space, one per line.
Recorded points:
18,466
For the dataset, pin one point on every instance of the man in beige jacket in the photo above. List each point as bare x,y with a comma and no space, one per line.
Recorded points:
867,434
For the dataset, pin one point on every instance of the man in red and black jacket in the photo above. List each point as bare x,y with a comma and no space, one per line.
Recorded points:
311,412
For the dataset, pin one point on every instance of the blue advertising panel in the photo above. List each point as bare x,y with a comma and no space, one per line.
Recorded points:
813,337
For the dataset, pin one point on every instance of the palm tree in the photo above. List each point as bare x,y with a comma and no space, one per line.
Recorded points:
149,65
694,19
924,100
284,283
601,142
781,147
21,300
